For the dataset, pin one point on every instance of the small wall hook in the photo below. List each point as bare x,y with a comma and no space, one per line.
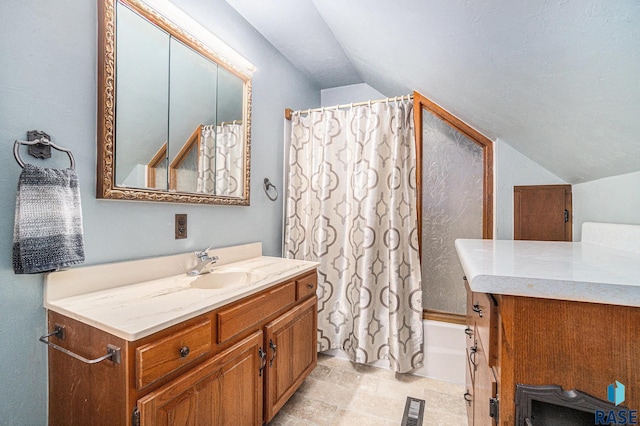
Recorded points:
267,186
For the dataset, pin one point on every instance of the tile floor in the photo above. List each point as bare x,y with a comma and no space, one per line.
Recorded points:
340,392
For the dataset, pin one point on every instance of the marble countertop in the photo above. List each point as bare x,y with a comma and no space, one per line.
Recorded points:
582,272
133,311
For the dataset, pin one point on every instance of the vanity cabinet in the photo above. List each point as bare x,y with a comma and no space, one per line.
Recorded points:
482,359
535,341
222,391
237,364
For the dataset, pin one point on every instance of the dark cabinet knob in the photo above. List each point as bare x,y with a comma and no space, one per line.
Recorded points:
184,351
469,332
310,285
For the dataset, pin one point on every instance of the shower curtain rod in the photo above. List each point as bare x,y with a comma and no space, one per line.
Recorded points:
288,113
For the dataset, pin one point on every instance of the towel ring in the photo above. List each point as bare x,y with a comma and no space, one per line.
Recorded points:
267,186
42,141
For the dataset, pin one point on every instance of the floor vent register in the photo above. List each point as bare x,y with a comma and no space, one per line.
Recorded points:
413,412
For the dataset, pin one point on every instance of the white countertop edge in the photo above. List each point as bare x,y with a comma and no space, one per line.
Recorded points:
484,276
608,294
57,306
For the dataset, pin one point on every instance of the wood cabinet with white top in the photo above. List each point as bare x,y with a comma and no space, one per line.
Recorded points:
236,364
545,314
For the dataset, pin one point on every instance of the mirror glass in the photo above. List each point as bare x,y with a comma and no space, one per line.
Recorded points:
180,113
142,86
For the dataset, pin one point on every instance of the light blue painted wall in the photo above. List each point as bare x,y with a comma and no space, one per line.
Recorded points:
48,82
512,168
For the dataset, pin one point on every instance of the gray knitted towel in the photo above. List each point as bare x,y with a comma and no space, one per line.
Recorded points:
47,232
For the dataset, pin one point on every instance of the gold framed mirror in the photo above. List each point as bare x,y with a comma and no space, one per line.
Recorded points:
174,117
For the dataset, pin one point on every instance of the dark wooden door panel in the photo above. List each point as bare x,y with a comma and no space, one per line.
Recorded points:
542,213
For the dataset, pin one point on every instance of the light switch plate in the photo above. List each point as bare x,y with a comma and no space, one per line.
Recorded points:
181,226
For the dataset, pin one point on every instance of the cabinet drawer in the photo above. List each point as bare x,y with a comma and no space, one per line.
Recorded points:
158,359
306,285
484,311
238,318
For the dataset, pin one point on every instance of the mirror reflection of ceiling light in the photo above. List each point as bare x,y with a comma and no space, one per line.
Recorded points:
181,19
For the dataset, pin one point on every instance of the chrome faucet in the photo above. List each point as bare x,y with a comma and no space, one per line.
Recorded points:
204,261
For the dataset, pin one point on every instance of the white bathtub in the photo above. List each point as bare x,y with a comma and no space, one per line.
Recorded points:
444,348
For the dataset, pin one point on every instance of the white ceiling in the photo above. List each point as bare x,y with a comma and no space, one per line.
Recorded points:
559,80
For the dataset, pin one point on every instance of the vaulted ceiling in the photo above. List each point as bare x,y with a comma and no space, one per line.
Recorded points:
558,80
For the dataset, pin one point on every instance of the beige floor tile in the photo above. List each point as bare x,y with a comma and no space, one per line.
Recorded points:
441,386
394,389
283,419
439,418
446,403
309,411
379,406
344,377
340,392
331,393
320,372
351,418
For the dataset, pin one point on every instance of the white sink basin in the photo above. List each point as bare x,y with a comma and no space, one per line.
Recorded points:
224,280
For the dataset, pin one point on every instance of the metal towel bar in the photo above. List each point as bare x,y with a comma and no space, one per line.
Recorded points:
113,352
267,186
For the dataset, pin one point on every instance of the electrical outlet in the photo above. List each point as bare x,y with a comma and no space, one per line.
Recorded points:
181,226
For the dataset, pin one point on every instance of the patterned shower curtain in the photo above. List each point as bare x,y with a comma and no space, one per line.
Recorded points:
221,160
351,205
207,160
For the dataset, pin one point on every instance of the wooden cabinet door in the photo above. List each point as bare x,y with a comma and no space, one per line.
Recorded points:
225,390
542,213
484,389
469,391
291,345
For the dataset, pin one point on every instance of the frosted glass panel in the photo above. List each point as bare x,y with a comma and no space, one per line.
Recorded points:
452,175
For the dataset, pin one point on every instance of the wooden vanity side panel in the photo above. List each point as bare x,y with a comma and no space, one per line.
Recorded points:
585,346
103,386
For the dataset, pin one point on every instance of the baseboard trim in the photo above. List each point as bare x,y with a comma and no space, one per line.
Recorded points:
444,317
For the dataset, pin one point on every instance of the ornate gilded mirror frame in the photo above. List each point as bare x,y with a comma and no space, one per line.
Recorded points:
107,97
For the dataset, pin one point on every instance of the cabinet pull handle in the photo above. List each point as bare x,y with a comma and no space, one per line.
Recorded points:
476,309
310,286
467,397
469,332
472,355
184,351
113,352
273,348
263,357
